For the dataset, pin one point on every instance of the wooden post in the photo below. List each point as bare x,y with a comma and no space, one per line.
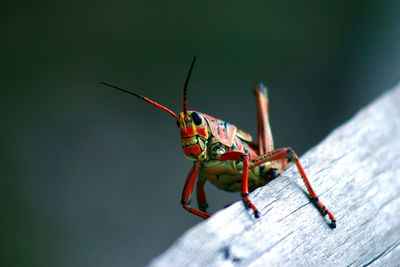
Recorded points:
355,170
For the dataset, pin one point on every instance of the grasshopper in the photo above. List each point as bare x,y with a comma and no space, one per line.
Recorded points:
227,157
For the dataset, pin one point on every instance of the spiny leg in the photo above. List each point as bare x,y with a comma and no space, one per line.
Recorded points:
188,190
288,153
240,156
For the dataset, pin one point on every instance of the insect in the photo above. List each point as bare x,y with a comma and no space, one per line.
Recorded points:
227,156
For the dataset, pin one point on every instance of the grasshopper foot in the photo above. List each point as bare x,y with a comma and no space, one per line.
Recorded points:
249,205
324,211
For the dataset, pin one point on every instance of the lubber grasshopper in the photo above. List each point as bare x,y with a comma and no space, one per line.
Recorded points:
227,157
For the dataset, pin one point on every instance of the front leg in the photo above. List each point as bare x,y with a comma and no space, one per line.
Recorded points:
188,190
201,196
240,156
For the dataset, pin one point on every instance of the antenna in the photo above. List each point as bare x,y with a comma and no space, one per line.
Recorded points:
142,97
184,100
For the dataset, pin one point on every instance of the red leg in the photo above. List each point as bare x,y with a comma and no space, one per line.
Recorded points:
288,153
201,196
240,156
245,187
188,190
265,140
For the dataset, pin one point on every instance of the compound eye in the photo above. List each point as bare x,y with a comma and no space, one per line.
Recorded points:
196,118
178,124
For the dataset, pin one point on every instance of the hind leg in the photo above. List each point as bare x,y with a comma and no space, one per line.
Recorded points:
265,141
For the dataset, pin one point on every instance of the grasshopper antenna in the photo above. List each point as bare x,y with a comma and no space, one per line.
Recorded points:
144,98
184,100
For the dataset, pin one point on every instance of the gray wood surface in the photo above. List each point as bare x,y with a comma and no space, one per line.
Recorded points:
355,171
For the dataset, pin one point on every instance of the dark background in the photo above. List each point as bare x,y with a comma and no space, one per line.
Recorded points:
92,176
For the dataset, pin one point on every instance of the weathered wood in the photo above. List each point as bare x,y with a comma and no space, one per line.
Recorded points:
355,170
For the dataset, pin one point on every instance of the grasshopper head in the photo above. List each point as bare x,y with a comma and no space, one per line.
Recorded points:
194,135
192,125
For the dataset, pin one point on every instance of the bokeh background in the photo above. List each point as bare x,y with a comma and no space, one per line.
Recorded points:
92,177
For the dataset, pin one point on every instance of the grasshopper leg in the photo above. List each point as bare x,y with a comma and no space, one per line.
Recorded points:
201,196
288,153
188,190
265,141
240,156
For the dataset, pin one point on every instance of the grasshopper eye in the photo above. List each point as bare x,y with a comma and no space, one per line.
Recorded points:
178,124
196,118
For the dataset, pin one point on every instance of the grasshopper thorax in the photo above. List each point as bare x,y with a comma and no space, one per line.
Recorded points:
194,133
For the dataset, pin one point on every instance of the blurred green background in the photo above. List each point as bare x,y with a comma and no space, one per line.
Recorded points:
92,176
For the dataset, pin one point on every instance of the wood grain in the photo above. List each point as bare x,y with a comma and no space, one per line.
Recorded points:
355,171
